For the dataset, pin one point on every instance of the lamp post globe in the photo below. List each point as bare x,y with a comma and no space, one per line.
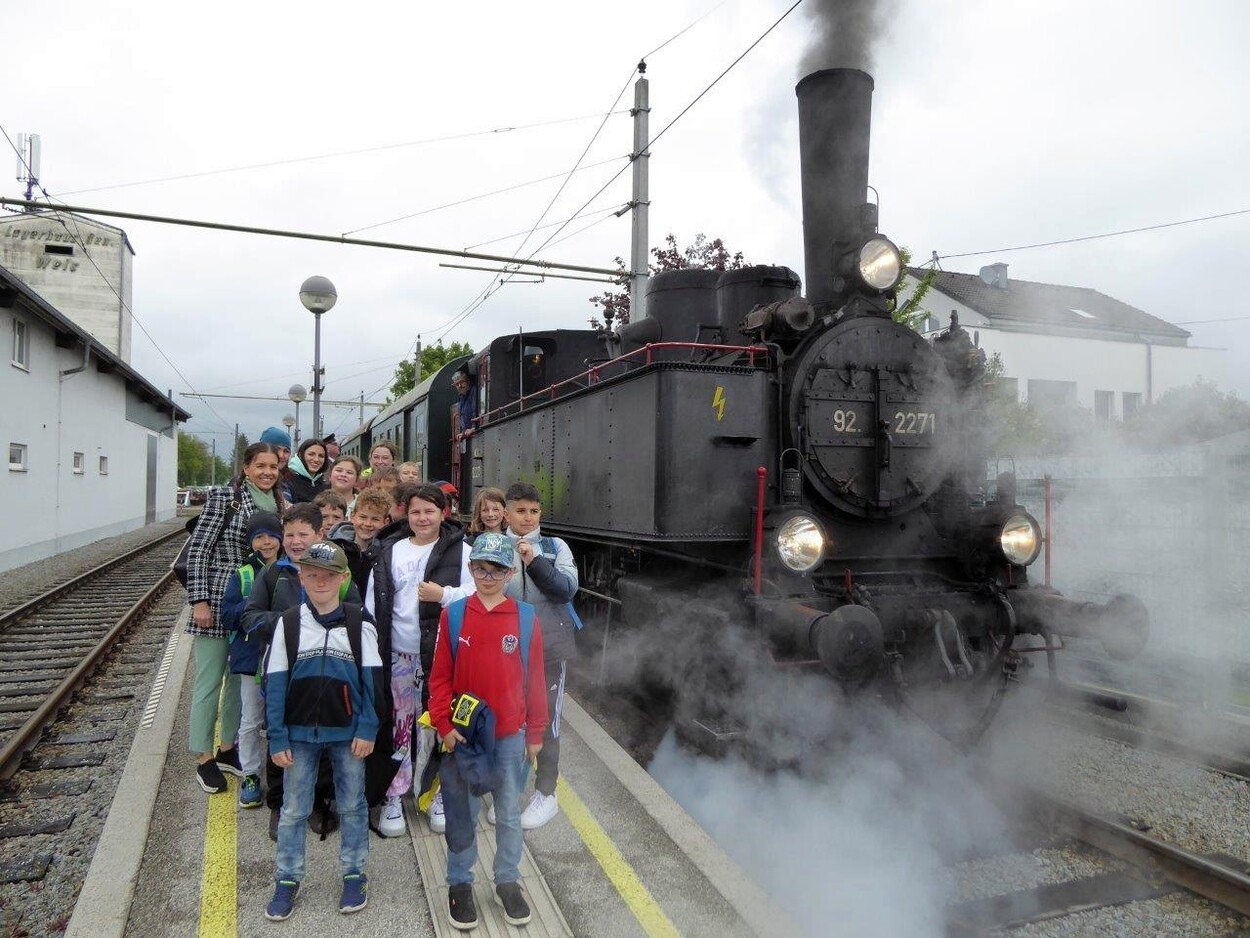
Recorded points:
288,421
318,296
297,394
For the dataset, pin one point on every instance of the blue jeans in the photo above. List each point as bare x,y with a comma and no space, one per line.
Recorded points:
461,809
297,803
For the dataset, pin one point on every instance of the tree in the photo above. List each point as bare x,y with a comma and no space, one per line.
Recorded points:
240,447
1184,415
701,254
910,313
195,462
433,357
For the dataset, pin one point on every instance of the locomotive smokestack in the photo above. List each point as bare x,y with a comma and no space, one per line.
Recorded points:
835,115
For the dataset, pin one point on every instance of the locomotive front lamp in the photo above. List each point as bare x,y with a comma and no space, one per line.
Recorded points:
1020,539
880,264
801,543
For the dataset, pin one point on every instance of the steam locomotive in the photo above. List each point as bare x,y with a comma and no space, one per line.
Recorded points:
818,465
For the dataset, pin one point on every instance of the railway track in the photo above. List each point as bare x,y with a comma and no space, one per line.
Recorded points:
76,663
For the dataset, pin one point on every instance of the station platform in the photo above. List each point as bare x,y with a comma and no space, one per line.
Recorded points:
621,859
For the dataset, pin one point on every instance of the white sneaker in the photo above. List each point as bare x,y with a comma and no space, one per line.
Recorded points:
542,808
391,823
490,812
438,820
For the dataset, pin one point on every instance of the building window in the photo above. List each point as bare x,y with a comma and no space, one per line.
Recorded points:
1052,393
1130,402
80,462
21,344
17,457
104,465
1104,404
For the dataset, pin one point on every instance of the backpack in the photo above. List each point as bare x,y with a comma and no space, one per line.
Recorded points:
353,620
548,547
179,566
455,622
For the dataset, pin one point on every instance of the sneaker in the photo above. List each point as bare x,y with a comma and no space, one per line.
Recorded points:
438,820
516,911
355,893
275,815
460,908
249,794
210,778
283,901
490,812
228,761
542,808
391,823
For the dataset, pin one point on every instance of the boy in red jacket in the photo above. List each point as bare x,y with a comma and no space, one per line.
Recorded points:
491,662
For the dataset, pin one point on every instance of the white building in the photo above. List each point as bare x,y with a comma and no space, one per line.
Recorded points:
93,448
1068,345
82,267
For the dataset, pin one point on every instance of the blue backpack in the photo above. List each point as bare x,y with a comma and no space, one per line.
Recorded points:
548,547
455,622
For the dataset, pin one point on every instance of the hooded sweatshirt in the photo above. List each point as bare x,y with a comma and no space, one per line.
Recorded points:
300,485
548,584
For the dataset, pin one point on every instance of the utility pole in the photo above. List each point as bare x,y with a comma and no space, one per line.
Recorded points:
234,460
362,408
640,203
416,360
212,477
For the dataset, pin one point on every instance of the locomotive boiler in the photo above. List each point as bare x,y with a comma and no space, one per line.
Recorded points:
820,465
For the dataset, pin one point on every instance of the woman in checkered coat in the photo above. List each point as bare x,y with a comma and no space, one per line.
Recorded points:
218,548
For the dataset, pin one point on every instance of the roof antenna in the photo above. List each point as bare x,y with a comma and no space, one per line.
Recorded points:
29,151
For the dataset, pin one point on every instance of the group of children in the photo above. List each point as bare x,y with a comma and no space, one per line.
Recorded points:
351,621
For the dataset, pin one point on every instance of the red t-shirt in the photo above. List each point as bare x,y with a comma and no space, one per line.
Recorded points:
488,665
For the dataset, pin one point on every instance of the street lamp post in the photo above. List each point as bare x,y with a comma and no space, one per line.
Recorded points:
318,296
288,421
298,394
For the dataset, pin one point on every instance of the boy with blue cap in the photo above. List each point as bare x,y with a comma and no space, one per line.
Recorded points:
488,659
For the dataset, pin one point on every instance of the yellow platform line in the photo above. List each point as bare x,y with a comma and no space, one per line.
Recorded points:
219,904
636,895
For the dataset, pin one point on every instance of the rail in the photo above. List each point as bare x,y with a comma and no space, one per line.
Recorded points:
1204,875
593,375
26,736
17,612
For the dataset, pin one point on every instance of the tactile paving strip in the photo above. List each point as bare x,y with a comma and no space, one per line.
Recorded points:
431,850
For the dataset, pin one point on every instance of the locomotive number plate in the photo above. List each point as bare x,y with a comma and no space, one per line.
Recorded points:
849,420
914,422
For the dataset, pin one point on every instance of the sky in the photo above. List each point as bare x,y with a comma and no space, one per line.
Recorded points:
995,125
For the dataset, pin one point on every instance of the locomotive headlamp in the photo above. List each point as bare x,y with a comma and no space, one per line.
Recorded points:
800,543
1020,539
880,265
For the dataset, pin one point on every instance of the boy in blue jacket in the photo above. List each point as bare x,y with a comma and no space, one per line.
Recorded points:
321,698
264,534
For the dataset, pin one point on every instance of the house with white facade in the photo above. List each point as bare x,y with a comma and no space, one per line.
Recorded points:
1067,345
92,445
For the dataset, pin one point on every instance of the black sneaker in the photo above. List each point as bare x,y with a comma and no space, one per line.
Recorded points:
275,815
210,777
460,907
516,911
228,761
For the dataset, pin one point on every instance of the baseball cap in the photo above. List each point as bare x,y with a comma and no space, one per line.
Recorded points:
326,556
493,548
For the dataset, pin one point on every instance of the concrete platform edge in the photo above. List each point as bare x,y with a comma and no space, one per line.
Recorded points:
753,905
103,907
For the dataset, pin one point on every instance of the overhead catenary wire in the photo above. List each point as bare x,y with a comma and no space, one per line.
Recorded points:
476,304
621,207
76,236
335,155
1096,237
475,198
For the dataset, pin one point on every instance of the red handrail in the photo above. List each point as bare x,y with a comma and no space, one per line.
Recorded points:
591,375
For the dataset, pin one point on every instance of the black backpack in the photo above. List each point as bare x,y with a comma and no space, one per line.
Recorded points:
179,566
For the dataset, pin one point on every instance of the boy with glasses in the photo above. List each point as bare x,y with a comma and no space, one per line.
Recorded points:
489,652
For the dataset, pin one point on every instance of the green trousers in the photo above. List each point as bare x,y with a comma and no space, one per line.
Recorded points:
216,691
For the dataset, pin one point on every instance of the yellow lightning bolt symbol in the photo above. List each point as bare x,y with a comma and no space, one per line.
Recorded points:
718,402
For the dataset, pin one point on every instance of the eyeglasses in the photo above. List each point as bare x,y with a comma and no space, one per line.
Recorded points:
490,574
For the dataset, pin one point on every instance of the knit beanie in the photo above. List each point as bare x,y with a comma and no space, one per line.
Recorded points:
263,522
276,436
